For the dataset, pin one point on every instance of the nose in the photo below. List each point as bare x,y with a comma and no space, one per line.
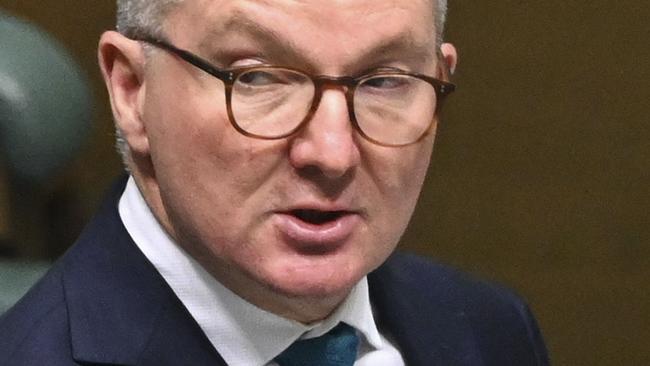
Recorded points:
328,142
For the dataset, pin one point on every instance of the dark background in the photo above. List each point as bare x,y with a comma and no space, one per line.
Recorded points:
539,178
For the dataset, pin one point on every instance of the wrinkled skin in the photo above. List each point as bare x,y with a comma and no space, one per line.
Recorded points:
228,199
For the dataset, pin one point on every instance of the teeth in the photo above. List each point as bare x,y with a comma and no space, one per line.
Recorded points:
317,217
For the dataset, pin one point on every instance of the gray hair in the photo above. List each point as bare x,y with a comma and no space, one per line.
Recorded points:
441,18
137,17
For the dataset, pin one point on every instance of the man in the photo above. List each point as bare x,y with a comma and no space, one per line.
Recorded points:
276,149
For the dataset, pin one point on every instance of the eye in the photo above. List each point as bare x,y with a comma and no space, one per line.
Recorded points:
392,85
385,82
259,78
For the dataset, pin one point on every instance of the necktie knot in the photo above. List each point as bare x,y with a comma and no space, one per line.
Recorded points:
338,347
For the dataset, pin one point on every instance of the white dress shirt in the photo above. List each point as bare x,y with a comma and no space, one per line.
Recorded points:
242,333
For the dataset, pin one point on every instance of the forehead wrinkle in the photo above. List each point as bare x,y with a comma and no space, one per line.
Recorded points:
403,46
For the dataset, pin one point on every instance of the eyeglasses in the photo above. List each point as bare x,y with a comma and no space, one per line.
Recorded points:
387,107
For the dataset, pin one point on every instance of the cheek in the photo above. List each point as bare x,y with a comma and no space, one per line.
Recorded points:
398,177
184,108
208,174
401,171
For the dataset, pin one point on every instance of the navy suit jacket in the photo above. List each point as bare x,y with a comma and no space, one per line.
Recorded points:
103,303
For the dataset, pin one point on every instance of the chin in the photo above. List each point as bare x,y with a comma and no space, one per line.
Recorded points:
316,283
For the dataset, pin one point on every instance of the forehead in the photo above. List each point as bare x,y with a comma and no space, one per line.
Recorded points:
321,10
314,25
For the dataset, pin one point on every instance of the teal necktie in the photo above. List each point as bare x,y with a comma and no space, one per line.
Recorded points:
338,347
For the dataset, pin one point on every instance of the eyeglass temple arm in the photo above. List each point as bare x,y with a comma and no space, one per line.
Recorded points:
193,59
445,86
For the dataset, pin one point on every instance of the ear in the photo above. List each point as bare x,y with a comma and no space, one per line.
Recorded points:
450,56
122,63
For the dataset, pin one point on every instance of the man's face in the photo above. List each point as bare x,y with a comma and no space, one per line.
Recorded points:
303,217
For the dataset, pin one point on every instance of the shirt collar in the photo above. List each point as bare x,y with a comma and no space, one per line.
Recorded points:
242,333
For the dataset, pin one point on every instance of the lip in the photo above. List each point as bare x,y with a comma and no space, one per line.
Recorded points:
316,238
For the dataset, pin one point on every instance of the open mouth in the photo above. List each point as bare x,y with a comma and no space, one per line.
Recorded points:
316,217
314,231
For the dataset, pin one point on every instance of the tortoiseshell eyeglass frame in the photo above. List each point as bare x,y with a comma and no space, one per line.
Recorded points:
229,76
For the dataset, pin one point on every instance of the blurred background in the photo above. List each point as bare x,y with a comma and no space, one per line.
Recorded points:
539,179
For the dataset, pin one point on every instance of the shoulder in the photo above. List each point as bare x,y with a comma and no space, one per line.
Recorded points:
37,322
428,280
493,316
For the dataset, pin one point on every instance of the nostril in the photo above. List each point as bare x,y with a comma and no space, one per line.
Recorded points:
331,155
317,217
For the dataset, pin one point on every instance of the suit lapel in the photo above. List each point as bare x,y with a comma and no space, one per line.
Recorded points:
121,310
413,305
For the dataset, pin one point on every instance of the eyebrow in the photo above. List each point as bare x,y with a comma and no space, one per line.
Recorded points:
400,44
